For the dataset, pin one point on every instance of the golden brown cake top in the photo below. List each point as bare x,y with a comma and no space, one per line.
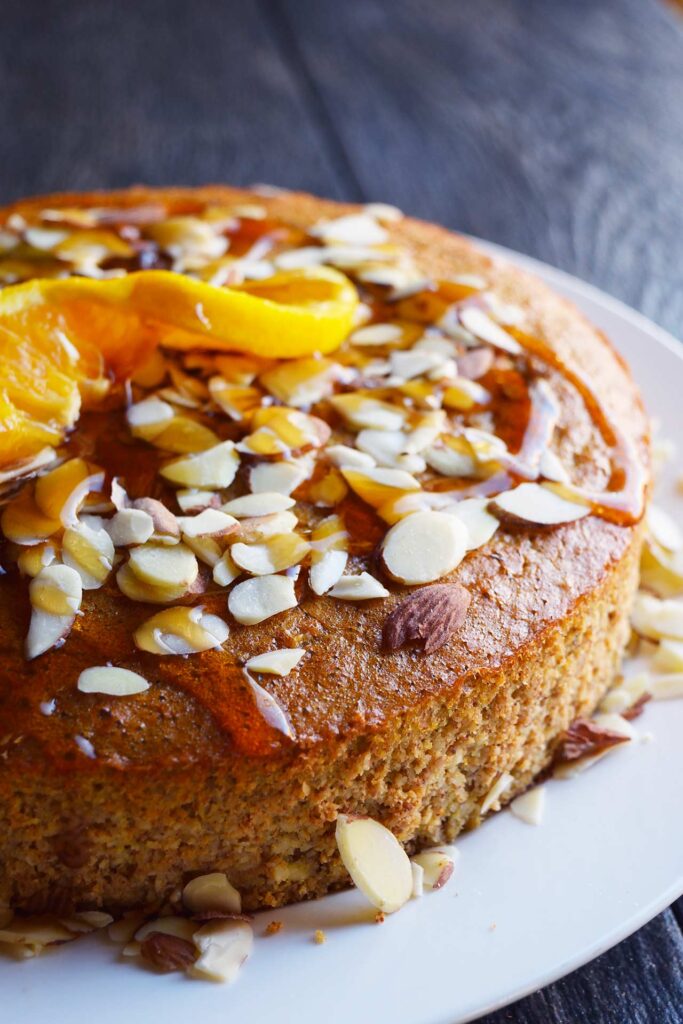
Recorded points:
474,431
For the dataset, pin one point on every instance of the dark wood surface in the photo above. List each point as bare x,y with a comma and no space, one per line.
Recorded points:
552,127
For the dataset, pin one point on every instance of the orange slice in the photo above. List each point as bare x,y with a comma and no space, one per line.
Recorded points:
60,337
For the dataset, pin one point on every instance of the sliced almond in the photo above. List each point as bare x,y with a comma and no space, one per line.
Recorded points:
148,418
278,431
463,394
212,893
343,457
663,528
437,866
134,589
256,529
329,555
669,656
192,500
479,522
376,861
130,526
587,741
23,523
90,552
329,490
273,555
180,927
424,547
363,587
621,698
185,436
529,807
111,680
55,595
276,663
212,522
300,382
223,947
257,599
657,619
225,571
208,550
166,529
480,324
536,504
215,467
61,492
262,504
418,879
30,935
491,801
378,486
181,631
31,560
45,631
451,456
361,411
163,566
237,401
57,590
280,477
666,687
350,229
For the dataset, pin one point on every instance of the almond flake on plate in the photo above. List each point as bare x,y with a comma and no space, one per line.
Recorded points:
260,598
587,741
621,698
181,631
223,947
212,893
437,866
376,861
424,547
363,587
277,663
657,619
529,807
111,680
666,687
669,656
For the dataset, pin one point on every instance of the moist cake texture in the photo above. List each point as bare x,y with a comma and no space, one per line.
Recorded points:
114,801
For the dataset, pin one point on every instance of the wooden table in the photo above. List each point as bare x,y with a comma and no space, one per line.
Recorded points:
552,127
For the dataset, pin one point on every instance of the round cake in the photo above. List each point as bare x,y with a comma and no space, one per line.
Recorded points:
356,507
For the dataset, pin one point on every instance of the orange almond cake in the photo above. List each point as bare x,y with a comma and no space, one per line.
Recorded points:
310,511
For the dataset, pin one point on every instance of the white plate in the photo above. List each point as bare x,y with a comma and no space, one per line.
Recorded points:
526,906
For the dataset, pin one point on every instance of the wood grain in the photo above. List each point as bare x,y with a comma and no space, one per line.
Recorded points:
555,128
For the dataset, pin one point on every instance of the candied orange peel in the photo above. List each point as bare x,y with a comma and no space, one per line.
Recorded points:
61,340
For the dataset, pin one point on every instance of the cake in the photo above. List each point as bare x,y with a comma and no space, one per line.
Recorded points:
445,508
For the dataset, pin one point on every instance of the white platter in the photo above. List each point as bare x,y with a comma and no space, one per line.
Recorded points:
526,906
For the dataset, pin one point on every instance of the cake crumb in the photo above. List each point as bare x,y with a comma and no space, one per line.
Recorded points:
379,917
319,937
273,927
492,927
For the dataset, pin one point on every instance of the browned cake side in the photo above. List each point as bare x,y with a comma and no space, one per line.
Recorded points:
187,778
